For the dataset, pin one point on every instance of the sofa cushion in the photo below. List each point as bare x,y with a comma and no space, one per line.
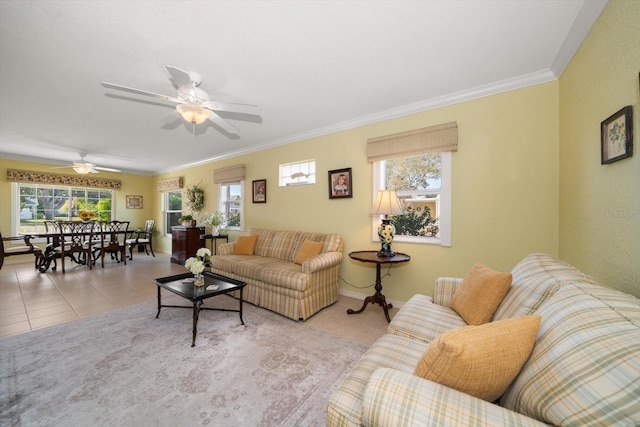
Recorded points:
584,369
391,351
421,319
245,245
263,241
308,249
480,360
480,294
536,278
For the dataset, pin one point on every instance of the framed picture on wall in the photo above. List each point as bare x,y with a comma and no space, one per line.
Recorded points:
616,135
260,191
134,202
340,186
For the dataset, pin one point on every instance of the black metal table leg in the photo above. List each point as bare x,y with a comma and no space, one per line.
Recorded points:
196,313
159,303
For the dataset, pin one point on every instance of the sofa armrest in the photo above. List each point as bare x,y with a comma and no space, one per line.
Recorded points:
444,290
321,261
226,248
396,398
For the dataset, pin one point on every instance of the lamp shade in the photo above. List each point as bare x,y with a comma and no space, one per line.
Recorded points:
193,113
386,203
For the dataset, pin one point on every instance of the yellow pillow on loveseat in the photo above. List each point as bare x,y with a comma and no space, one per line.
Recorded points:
480,360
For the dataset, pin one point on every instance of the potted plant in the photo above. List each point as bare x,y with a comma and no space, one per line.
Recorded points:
187,221
215,220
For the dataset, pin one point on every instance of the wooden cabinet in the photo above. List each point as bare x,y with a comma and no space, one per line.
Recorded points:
185,242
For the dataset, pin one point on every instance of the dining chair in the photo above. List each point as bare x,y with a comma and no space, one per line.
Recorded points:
53,238
75,242
113,237
143,237
25,249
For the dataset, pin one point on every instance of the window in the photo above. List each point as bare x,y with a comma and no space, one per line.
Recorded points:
423,186
231,204
298,173
173,211
34,203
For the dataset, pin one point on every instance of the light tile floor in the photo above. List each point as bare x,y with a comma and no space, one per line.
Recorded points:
31,300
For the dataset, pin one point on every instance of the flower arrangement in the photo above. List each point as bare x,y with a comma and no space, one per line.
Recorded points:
86,215
197,264
215,219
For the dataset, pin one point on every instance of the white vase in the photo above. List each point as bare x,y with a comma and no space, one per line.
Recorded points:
214,230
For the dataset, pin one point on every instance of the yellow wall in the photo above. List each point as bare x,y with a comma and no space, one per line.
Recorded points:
600,204
505,189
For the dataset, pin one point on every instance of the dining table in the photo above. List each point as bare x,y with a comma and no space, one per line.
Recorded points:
55,238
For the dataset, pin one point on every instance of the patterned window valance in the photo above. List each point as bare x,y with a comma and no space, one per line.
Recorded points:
14,175
229,174
169,184
432,139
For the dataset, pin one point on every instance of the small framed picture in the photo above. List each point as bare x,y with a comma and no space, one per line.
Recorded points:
134,202
340,186
616,134
260,191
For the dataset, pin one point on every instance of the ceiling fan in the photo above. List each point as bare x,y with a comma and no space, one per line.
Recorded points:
193,103
84,168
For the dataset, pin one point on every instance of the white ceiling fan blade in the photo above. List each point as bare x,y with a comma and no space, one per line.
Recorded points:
233,108
180,77
223,123
106,169
140,92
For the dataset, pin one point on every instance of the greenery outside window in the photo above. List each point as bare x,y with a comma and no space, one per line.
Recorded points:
232,204
173,211
423,186
35,203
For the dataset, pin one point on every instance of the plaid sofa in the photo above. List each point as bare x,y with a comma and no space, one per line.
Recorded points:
274,281
584,369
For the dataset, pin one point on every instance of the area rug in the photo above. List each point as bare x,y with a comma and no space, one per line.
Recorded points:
127,368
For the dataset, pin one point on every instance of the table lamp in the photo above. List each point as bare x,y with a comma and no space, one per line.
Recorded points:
386,204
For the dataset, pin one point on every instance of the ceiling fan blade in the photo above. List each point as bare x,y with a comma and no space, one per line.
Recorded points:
223,123
233,108
60,167
180,77
140,92
99,168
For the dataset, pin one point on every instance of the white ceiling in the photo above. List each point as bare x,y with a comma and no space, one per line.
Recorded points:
313,67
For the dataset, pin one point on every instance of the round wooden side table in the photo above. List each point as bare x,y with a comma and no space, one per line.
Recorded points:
377,298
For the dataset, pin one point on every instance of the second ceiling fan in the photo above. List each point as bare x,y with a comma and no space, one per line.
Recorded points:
193,103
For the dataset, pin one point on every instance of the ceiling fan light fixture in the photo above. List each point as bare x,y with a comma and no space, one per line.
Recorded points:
82,170
195,114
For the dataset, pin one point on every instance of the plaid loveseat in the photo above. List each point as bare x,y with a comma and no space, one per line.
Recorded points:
275,281
584,369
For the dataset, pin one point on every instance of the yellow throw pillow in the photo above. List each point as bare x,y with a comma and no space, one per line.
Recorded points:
245,245
480,360
308,249
480,293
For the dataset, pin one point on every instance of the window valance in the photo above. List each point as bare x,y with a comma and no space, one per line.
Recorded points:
15,175
169,184
229,174
432,139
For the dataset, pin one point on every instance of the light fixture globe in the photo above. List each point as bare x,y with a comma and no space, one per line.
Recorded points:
192,113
